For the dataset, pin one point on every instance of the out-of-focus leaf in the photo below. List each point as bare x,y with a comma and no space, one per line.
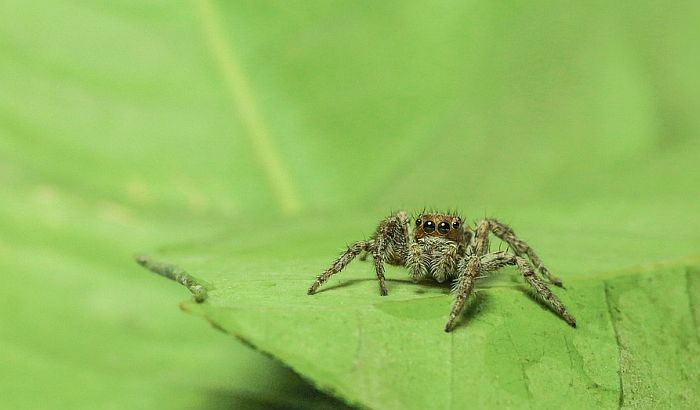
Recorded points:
82,328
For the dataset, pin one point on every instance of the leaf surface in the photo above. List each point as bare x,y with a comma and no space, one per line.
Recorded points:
636,343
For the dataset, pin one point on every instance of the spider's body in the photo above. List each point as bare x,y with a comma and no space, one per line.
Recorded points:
440,242
441,246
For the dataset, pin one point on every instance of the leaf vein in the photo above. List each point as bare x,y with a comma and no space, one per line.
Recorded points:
277,174
691,301
523,369
608,301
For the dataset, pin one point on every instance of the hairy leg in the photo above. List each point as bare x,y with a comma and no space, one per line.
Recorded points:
388,244
543,290
479,244
465,284
340,263
520,247
490,262
473,267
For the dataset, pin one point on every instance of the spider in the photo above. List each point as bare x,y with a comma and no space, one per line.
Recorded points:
443,247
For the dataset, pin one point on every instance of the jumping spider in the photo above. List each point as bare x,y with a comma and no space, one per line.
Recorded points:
443,247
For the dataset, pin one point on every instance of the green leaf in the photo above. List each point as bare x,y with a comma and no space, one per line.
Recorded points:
636,343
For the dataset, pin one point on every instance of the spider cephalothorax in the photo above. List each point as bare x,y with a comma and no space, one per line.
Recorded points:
441,246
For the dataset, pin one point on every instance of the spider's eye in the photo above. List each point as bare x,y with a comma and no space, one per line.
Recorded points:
418,222
455,224
443,227
428,226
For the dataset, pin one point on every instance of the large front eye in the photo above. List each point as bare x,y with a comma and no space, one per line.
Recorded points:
428,226
443,227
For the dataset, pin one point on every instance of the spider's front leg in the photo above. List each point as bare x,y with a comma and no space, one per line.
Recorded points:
387,244
476,265
469,269
390,242
468,274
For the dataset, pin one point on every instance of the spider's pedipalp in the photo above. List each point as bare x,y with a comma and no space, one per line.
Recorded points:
416,262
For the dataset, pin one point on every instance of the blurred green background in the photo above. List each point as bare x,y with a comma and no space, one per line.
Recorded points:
127,125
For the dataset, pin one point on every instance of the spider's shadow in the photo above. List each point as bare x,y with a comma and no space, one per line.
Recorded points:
341,285
479,303
474,305
535,297
446,286
472,308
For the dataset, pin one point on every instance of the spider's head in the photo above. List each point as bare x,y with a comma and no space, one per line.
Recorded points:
439,225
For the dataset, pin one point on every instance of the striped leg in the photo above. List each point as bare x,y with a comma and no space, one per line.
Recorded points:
340,263
464,288
494,261
543,290
391,236
387,244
